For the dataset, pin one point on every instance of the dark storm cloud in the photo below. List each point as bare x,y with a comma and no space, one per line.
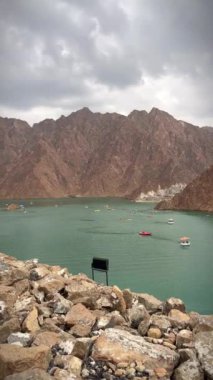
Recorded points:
57,53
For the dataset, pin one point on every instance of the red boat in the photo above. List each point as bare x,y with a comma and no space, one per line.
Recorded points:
145,233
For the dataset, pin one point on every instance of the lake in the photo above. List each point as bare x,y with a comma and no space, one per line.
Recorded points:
70,232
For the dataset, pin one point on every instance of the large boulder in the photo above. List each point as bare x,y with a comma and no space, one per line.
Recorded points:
51,284
151,303
203,323
17,359
189,370
47,338
173,303
80,315
204,348
179,319
79,286
30,374
137,314
116,346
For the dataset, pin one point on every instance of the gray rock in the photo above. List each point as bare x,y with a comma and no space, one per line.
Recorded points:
160,321
204,348
137,314
187,354
189,370
23,338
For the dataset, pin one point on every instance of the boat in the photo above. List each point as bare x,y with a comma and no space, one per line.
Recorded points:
185,241
145,233
171,221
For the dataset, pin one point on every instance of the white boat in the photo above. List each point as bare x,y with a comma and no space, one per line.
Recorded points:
185,241
171,221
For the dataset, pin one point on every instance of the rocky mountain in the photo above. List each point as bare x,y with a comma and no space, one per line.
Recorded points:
94,154
198,195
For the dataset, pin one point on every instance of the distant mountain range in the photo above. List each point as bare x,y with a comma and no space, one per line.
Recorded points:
198,195
94,154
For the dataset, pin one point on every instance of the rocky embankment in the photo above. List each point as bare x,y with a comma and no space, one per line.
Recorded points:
54,325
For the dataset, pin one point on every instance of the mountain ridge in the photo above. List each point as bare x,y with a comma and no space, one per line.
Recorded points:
95,154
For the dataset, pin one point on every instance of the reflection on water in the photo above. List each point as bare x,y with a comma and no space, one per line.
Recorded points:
71,234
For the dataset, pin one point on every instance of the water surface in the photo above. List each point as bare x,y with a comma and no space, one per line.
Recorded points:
71,232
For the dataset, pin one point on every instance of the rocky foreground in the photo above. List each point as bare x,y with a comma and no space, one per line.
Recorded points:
54,325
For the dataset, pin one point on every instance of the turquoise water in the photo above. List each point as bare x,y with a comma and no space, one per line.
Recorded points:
70,232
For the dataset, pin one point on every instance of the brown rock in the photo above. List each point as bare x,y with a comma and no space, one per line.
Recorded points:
30,374
12,274
82,346
30,323
80,330
184,338
8,295
47,338
120,346
120,304
79,286
8,327
39,273
144,326
178,319
160,372
154,332
51,284
151,303
22,286
25,302
74,365
79,314
128,297
174,303
14,359
160,321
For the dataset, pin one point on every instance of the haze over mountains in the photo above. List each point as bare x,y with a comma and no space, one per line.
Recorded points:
93,154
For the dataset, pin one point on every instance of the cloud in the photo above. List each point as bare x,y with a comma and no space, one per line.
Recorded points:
116,55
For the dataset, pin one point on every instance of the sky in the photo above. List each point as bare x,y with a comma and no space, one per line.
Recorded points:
57,56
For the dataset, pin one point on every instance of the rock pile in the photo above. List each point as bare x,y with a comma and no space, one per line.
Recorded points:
54,325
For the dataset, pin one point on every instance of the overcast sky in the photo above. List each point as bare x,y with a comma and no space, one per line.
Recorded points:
58,56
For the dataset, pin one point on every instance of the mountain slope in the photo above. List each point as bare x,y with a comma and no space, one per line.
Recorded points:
198,195
93,154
